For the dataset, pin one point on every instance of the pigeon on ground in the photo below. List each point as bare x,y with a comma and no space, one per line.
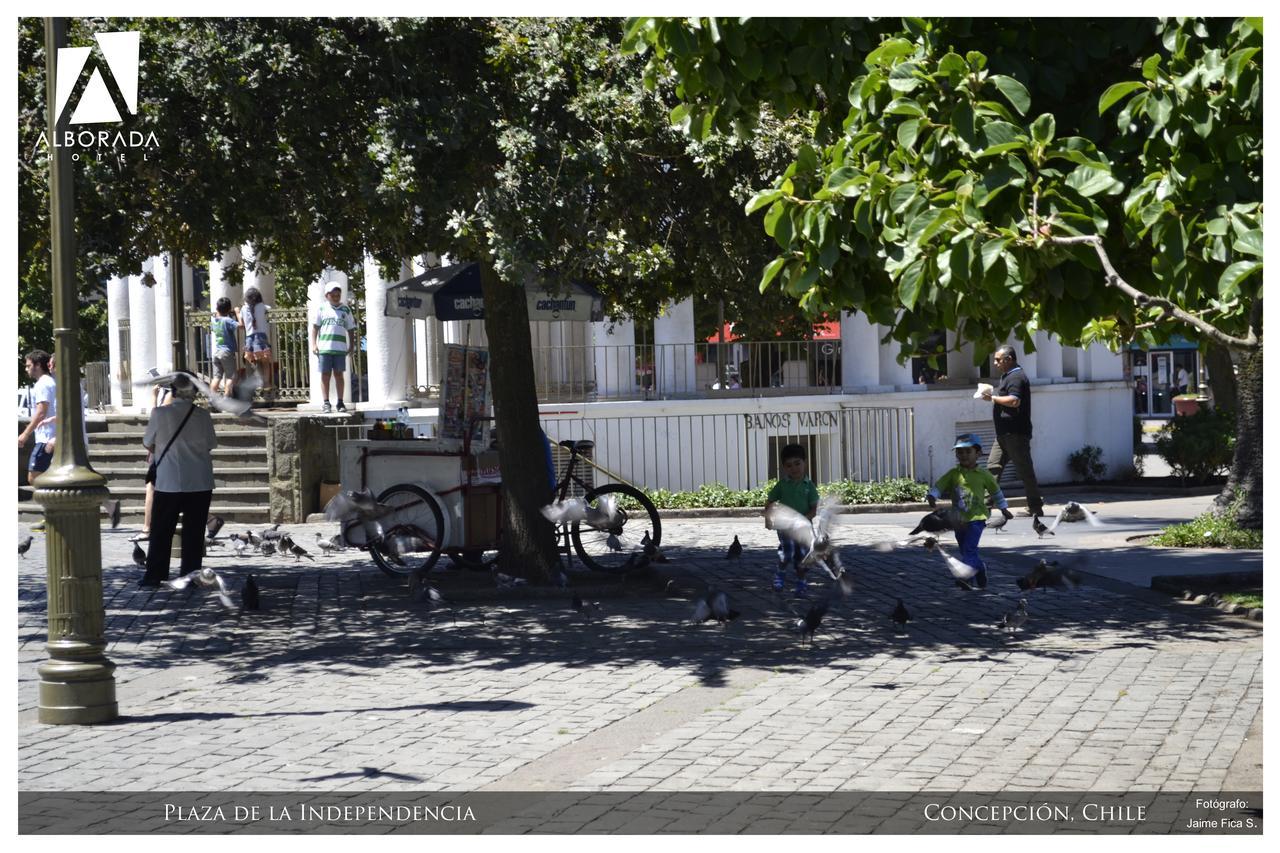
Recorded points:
808,624
268,548
506,581
997,521
1015,619
714,605
24,546
814,535
1074,512
249,594
213,525
113,512
901,616
326,547
735,549
299,552
651,550
254,539
239,547
274,532
139,556
588,610
939,521
613,543
1038,526
1050,574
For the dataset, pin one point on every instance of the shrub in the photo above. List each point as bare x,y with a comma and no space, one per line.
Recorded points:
1198,446
1086,464
1213,529
712,495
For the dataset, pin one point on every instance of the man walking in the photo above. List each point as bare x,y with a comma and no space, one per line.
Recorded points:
1011,410
330,342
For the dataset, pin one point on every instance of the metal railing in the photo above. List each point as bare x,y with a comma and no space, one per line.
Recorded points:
126,362
97,384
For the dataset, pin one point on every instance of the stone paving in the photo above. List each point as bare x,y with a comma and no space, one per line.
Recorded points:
342,684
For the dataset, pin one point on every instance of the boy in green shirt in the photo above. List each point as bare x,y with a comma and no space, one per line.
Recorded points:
971,486
796,490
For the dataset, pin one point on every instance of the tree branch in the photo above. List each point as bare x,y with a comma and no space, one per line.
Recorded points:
1147,300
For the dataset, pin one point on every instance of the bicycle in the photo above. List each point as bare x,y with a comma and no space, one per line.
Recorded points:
415,516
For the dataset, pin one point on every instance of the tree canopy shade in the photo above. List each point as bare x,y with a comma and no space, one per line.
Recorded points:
1097,178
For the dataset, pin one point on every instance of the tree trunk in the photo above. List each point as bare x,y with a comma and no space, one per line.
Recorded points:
529,546
1245,481
1222,377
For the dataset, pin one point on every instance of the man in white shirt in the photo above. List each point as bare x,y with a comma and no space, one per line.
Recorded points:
184,482
44,402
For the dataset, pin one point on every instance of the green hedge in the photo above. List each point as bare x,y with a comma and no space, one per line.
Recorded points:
714,495
1213,529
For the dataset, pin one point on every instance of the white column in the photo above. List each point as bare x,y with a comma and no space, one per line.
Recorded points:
614,350
891,372
261,276
960,366
859,351
1049,356
189,284
674,350
117,310
386,355
163,314
220,285
1104,364
1026,360
142,335
1071,363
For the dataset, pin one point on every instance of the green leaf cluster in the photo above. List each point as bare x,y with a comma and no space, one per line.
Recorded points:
892,491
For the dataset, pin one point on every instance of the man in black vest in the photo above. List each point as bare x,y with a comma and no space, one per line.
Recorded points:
1012,414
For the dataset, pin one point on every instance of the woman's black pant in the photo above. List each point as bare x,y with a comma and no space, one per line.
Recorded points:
165,509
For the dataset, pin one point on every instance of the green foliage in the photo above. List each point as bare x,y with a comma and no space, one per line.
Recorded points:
898,490
1087,465
1245,599
947,155
1198,446
1213,529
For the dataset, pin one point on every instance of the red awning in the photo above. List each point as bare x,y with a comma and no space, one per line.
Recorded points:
828,331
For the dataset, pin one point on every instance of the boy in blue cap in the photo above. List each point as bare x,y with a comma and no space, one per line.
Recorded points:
971,487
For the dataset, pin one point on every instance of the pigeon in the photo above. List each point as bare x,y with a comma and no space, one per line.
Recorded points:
113,512
422,592
588,610
901,616
613,542
326,547
714,605
735,550
213,525
299,552
1073,512
814,535
1015,619
238,402
1038,526
402,543
961,570
249,594
925,539
651,551
24,546
239,547
206,578
274,532
638,561
1050,574
997,521
807,625
268,548
603,516
939,521
226,602
360,515
253,539
505,581
139,556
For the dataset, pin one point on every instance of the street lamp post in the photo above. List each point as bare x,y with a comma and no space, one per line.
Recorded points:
77,684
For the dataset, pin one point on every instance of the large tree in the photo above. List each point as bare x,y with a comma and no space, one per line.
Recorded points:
1099,179
526,145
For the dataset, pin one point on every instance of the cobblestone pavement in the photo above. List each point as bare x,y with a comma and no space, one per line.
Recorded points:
341,683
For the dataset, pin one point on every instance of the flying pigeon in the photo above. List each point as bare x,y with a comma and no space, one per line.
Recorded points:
603,516
1015,619
249,594
1073,512
206,577
959,569
588,610
1050,574
113,512
360,515
814,535
239,402
900,615
735,549
939,521
714,605
24,546
1038,526
139,556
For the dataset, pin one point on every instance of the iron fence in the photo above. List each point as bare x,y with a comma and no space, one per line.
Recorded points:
126,362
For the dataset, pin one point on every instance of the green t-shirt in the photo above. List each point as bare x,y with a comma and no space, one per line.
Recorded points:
971,487
800,495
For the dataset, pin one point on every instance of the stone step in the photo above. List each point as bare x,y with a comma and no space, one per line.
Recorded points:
131,514
232,457
133,437
236,495
135,475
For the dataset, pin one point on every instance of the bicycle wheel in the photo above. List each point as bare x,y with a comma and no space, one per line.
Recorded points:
617,547
415,518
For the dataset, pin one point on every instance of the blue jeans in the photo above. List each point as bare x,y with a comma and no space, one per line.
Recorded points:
791,552
967,538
